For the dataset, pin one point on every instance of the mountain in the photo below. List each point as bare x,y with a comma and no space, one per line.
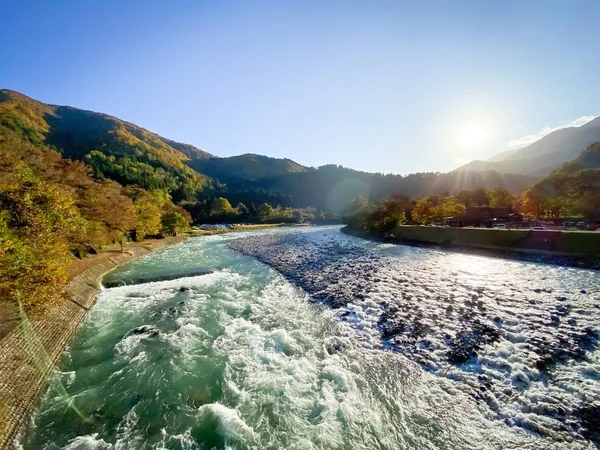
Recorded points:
113,148
588,159
543,156
246,167
121,151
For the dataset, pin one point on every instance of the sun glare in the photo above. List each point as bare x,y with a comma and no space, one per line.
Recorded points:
473,134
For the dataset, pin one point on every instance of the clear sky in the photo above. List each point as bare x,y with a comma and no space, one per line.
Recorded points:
380,86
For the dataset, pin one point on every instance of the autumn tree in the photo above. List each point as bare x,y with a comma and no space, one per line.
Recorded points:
424,211
113,212
173,222
148,212
175,219
37,221
220,206
450,207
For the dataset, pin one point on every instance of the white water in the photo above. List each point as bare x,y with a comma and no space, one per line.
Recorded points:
244,359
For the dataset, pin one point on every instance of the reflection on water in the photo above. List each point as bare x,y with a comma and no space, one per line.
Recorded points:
415,348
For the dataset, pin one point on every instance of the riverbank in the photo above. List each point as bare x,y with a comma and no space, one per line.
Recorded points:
567,248
258,226
28,355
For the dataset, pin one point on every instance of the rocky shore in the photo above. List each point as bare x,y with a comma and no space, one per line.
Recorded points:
521,339
28,354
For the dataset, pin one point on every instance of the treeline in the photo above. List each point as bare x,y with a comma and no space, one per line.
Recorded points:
399,209
571,191
51,210
220,210
334,187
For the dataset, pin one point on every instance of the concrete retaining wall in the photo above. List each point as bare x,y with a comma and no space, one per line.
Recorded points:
564,242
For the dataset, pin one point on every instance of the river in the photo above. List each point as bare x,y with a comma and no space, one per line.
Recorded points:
312,339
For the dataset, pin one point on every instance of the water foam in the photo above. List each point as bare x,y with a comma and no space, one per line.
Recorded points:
244,359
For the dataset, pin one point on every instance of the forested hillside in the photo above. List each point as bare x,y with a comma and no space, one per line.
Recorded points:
51,209
113,148
574,189
334,187
243,168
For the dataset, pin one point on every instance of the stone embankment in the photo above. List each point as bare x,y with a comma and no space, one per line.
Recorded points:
28,354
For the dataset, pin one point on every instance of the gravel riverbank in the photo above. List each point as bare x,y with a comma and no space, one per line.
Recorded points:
520,338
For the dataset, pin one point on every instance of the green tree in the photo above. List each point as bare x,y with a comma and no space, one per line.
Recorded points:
357,206
265,210
174,222
501,198
220,206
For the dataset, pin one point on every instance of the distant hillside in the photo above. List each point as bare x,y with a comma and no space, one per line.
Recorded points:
248,167
573,189
334,187
113,148
543,156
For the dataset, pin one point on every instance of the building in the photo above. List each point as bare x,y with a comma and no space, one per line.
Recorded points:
485,216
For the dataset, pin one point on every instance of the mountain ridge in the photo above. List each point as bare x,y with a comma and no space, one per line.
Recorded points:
543,156
131,155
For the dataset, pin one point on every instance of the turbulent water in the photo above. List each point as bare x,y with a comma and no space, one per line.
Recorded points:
315,340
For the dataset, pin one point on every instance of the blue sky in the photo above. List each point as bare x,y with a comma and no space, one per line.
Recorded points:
379,86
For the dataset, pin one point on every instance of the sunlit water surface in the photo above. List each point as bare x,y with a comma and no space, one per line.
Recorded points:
242,358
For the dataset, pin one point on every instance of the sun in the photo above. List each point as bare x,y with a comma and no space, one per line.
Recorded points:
473,134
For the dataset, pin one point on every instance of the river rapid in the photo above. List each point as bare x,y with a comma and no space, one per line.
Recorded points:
312,339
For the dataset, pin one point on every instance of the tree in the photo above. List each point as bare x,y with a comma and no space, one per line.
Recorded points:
220,206
481,197
104,203
466,197
501,198
147,211
242,210
173,222
357,205
588,205
265,210
424,212
37,221
451,208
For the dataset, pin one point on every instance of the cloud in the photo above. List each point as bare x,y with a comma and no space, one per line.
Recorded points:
530,139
